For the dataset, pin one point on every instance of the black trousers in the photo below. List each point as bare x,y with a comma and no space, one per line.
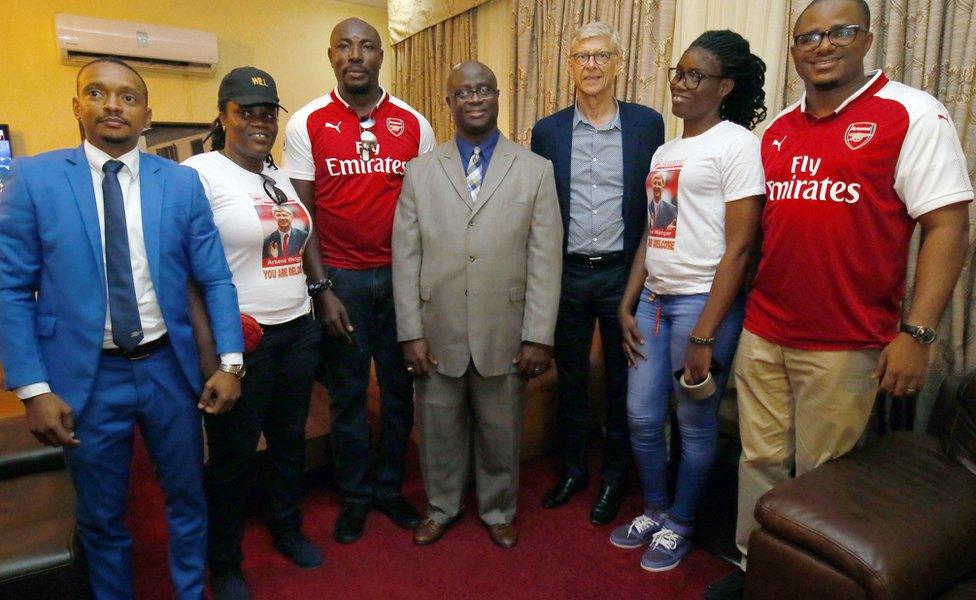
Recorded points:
274,400
591,295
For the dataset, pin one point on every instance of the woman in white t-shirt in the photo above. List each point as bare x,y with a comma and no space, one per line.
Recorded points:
264,229
704,194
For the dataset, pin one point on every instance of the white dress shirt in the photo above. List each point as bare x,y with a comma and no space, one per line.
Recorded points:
153,326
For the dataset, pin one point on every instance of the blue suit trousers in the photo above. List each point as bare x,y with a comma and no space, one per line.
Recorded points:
152,393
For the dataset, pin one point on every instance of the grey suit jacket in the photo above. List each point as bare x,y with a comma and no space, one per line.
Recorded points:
477,279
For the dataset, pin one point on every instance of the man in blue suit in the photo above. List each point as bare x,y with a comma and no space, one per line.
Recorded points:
97,245
601,151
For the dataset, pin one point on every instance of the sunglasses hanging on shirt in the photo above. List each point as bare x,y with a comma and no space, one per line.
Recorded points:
273,191
367,139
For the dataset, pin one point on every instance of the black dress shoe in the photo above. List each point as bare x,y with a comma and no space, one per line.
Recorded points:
563,491
349,525
730,587
607,504
401,512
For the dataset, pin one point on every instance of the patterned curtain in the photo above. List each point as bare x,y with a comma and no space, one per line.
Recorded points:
930,45
541,82
421,64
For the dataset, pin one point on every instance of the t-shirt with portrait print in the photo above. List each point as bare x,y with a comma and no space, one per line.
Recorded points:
690,181
263,240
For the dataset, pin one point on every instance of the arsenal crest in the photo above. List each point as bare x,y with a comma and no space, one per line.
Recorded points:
395,126
859,134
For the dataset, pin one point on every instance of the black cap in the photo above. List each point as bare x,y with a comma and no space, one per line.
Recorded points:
248,86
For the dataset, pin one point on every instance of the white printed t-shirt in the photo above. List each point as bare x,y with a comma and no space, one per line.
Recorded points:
690,181
263,243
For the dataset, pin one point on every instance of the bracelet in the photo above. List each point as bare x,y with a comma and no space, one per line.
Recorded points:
314,289
701,341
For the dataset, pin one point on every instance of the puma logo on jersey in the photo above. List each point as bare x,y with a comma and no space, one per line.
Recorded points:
943,117
333,126
779,143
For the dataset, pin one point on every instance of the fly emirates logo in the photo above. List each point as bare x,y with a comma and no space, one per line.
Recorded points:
358,166
804,184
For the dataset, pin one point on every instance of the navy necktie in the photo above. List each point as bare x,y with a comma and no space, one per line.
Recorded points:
122,303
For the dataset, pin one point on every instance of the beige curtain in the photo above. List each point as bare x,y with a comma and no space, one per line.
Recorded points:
541,82
421,64
931,45
408,17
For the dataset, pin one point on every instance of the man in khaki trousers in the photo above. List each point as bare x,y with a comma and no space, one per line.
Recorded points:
824,329
477,258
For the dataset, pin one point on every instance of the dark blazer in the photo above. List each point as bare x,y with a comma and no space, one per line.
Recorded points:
642,131
296,242
50,244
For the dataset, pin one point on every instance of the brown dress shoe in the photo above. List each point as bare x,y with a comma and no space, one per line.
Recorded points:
503,534
428,532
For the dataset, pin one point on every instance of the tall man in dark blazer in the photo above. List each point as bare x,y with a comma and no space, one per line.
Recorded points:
601,151
97,244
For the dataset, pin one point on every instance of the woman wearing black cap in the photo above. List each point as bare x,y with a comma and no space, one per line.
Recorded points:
264,229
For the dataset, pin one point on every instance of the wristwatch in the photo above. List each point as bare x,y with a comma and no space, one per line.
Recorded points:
923,335
235,370
314,289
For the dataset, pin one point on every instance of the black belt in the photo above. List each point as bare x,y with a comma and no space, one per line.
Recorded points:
140,352
596,260
291,323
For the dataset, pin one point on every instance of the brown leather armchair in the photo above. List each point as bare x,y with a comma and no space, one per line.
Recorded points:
896,519
38,555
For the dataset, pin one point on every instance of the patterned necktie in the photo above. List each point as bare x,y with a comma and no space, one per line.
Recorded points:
122,303
474,173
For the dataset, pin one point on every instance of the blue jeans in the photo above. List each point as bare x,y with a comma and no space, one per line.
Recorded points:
665,322
368,298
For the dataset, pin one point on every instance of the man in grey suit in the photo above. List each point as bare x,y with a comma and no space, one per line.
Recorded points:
477,259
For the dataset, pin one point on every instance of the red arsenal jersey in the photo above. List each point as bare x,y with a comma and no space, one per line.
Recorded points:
356,184
843,193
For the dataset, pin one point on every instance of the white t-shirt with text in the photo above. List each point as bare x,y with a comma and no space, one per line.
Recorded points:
690,181
263,241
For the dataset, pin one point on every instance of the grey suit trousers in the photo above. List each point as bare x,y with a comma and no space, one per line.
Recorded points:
449,410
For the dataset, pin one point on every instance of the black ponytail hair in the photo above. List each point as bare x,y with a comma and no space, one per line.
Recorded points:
746,103
218,137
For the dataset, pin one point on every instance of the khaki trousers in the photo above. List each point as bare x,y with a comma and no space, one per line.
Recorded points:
797,409
449,410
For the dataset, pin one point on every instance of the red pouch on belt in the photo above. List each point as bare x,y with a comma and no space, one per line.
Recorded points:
252,332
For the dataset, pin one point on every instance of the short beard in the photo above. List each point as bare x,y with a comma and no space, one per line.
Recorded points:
361,90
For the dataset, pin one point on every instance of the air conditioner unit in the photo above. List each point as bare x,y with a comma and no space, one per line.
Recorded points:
82,39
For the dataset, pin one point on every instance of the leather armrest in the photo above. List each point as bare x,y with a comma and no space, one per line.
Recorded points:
898,516
32,461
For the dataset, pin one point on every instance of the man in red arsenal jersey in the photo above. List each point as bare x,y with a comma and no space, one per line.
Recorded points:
345,153
850,170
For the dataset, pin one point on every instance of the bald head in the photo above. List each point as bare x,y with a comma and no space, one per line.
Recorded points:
861,6
356,55
469,69
354,27
472,94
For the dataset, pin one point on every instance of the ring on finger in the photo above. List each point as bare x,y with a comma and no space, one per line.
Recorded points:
410,369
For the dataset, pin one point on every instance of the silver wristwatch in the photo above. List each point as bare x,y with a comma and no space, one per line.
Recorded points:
923,335
235,370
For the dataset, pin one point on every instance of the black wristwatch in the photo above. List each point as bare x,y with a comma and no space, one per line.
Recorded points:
314,289
922,335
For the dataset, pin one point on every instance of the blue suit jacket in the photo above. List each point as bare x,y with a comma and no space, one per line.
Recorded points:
50,245
642,131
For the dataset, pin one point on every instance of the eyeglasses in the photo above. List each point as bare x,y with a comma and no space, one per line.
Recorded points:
601,58
691,78
840,37
273,191
483,92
